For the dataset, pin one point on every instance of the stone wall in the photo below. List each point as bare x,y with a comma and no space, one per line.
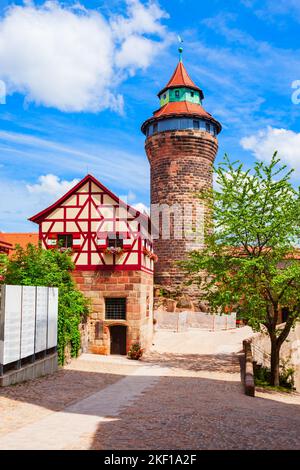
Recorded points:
136,287
182,321
181,165
46,365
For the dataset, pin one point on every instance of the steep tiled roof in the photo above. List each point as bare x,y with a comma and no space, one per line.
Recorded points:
37,218
181,108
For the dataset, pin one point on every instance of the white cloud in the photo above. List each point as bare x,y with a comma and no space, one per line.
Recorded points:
265,142
139,206
25,202
140,19
270,10
21,205
136,51
51,185
72,58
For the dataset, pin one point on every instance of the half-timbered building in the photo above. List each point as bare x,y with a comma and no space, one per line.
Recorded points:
112,251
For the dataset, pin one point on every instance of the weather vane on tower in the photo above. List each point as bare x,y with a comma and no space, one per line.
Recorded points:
180,48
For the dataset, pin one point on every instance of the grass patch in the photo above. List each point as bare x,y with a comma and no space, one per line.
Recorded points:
262,384
262,378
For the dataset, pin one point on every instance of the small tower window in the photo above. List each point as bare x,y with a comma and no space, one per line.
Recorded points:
164,97
207,127
177,93
154,127
196,124
192,94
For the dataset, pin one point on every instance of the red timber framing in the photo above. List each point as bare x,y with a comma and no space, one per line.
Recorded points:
86,218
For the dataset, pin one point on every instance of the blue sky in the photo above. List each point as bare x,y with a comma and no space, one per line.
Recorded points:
81,80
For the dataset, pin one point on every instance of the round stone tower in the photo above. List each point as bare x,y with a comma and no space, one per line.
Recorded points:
181,145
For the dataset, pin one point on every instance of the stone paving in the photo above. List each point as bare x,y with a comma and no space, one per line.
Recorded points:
170,400
30,401
199,407
62,429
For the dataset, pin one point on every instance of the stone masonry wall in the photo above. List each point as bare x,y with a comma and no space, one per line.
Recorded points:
181,165
137,287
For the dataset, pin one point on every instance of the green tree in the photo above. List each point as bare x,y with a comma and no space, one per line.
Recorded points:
38,267
249,261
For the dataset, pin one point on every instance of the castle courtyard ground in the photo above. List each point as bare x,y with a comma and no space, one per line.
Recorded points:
185,394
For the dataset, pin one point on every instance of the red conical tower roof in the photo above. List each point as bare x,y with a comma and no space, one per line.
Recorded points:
181,103
181,78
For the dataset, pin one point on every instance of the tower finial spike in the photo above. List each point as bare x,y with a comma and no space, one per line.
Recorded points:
180,48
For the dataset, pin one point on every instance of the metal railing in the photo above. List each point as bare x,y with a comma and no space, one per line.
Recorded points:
260,356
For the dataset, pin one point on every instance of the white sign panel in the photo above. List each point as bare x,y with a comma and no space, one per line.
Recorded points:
2,291
41,319
28,321
12,324
52,317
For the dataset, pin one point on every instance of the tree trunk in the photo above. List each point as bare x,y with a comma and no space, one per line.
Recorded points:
275,348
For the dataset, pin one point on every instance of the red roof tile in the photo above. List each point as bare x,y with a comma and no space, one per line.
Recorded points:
181,108
21,239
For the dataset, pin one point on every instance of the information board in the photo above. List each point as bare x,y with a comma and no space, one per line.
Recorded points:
12,309
28,321
52,317
41,319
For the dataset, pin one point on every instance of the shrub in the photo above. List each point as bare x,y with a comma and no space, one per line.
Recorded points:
135,351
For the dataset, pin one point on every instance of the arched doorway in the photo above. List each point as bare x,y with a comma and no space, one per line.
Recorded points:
118,339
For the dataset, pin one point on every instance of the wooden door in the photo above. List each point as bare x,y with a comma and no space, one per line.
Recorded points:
118,339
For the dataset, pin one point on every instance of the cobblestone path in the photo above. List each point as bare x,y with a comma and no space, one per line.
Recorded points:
200,404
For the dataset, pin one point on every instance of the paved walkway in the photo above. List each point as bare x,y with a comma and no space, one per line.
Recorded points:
188,397
62,429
